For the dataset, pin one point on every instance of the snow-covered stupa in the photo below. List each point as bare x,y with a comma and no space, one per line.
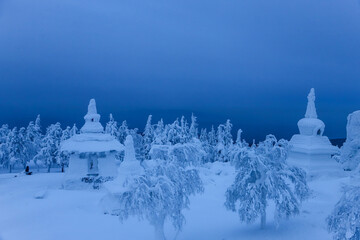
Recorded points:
129,169
310,147
92,152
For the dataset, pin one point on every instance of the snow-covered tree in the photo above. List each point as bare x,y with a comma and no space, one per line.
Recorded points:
156,193
344,222
206,146
4,151
49,153
228,139
186,154
74,130
111,127
160,133
238,151
33,134
263,175
350,151
224,142
123,132
184,130
62,156
17,148
173,132
194,127
148,136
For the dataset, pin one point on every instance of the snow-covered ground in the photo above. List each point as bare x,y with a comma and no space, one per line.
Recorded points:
35,207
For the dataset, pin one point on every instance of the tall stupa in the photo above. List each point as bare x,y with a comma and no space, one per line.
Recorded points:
92,152
311,147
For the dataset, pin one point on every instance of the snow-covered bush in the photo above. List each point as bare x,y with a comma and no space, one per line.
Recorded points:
344,222
263,175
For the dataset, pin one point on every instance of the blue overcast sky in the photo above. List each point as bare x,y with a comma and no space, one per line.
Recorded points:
252,61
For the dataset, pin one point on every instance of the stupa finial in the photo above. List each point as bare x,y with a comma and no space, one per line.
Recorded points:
311,109
92,120
92,107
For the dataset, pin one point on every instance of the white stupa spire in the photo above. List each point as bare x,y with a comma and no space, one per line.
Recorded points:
311,109
130,165
128,169
92,120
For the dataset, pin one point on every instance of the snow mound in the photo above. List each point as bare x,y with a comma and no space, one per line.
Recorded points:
41,194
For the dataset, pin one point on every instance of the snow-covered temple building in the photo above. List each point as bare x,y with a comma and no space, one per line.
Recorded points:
92,152
310,147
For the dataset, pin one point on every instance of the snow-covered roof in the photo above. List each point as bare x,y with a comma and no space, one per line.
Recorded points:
91,142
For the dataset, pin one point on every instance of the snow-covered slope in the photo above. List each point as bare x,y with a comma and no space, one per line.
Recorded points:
35,207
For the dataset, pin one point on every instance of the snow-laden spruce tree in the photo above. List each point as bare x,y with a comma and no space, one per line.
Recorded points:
224,142
16,145
160,133
148,137
33,136
49,152
4,151
194,132
157,193
74,130
344,222
238,150
111,127
123,132
263,176
63,157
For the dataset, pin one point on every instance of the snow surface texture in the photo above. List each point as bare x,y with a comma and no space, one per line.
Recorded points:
350,154
77,215
310,148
